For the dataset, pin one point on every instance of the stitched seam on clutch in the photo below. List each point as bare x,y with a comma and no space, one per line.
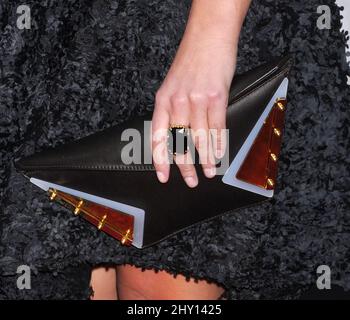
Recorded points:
288,65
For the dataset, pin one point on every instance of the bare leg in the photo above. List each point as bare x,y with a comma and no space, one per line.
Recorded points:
133,283
103,283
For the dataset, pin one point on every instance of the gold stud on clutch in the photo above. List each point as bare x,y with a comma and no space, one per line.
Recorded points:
277,132
281,103
273,157
53,194
125,237
280,106
102,222
78,207
270,182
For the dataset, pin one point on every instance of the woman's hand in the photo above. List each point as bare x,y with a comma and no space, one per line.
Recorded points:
195,90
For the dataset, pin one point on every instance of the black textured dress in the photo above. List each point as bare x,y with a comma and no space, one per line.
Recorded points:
89,64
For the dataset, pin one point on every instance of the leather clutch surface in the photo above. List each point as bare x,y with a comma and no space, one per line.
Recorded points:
126,200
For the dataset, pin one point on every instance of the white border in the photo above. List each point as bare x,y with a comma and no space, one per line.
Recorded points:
230,175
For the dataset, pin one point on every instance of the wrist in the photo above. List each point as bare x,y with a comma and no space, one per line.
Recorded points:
214,41
217,21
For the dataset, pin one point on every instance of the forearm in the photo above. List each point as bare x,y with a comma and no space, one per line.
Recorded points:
217,20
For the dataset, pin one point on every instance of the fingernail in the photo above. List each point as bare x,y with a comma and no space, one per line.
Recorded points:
219,153
191,182
210,172
161,177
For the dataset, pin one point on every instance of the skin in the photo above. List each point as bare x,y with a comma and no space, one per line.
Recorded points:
195,90
195,94
131,283
103,282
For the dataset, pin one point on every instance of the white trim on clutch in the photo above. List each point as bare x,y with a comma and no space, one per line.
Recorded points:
230,175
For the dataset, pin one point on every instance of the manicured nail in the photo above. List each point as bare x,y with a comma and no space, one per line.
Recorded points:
210,172
191,182
219,153
161,177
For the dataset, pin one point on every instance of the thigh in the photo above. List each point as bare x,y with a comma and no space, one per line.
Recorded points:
103,283
133,283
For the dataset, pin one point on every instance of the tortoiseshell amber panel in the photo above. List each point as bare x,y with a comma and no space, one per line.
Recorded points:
260,165
115,223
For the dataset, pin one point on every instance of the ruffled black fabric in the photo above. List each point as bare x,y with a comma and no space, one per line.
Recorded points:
86,65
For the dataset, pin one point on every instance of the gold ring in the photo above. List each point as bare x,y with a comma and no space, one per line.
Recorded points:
178,139
178,126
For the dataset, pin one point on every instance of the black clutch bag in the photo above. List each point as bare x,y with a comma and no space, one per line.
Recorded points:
126,200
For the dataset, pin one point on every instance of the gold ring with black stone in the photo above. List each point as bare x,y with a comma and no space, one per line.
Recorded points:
178,139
